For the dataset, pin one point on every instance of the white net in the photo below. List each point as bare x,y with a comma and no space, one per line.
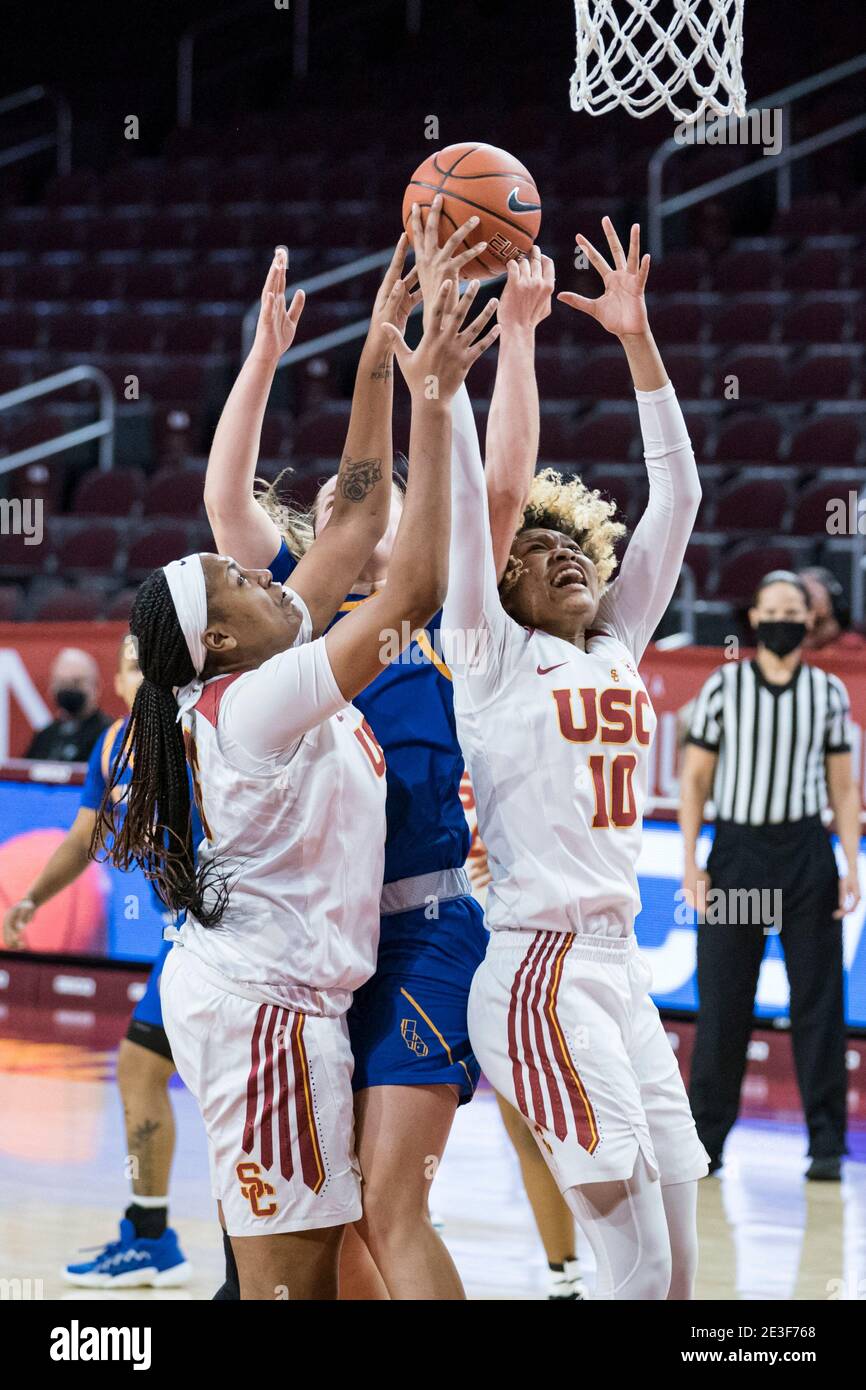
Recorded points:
644,54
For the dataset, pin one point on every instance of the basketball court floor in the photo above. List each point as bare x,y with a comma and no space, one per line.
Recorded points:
765,1233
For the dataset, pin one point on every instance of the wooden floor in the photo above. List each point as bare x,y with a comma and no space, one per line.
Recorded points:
765,1234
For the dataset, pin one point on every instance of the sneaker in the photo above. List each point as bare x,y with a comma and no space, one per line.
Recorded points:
566,1284
825,1170
132,1263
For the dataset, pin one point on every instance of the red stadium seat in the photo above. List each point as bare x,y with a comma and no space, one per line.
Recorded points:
680,272
811,511
323,434
10,600
606,438
740,574
827,439
826,374
817,320
815,268
760,372
605,376
175,492
753,439
65,605
748,319
17,557
120,606
812,216
745,269
158,544
754,504
93,549
678,320
115,493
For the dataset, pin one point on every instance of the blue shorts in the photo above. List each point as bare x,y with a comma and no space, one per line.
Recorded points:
407,1025
146,1026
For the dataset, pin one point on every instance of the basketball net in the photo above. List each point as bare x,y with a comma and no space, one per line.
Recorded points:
633,59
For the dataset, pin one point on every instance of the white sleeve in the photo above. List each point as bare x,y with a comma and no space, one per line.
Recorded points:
268,711
475,627
636,600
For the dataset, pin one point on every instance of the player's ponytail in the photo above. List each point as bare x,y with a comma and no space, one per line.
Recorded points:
156,830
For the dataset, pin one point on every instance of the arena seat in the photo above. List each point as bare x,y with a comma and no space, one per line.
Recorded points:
811,512
173,492
157,544
605,438
62,604
90,549
741,572
817,319
116,492
753,504
752,439
827,439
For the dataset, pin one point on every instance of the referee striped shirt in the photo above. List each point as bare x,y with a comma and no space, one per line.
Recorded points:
772,741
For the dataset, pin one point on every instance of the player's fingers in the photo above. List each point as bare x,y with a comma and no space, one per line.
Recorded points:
417,229
578,301
410,280
395,266
456,239
614,243
634,248
548,271
594,257
431,231
441,301
270,279
296,308
644,270
535,260
483,344
458,262
465,302
401,348
474,329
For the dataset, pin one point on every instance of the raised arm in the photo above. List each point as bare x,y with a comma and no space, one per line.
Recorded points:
377,631
637,599
240,527
511,451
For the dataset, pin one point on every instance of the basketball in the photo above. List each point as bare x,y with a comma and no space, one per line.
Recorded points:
486,182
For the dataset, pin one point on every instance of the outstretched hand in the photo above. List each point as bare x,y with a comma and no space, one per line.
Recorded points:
621,309
529,287
398,293
435,263
438,366
278,323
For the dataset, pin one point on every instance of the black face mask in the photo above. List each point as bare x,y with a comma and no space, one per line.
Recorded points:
70,700
781,637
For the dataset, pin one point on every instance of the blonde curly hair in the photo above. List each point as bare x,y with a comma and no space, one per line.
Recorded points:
557,503
292,522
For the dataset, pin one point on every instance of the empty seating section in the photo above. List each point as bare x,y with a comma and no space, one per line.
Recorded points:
146,271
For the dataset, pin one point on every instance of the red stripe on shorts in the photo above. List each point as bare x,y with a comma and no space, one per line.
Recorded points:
584,1115
253,1084
287,1167
560,1128
516,1065
267,1129
312,1166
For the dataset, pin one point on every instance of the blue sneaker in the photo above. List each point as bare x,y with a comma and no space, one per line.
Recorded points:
132,1262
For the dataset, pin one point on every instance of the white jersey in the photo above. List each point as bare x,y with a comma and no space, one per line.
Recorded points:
290,784
556,738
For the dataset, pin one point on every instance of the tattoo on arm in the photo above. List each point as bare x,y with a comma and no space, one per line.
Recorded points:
358,477
383,371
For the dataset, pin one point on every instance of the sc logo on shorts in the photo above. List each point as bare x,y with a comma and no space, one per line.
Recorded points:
254,1188
412,1038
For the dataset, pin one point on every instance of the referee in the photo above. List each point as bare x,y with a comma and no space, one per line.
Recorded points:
769,742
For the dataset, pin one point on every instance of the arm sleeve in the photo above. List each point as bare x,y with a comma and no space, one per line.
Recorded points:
475,627
637,599
267,712
705,729
283,563
838,736
94,783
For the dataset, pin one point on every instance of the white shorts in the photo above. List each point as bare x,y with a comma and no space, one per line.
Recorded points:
565,1030
275,1092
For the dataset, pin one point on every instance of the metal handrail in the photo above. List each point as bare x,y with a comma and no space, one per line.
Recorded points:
661,208
102,429
61,139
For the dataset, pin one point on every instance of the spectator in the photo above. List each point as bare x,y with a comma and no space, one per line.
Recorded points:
75,689
831,625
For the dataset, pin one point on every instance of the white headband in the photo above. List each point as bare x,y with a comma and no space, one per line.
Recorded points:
186,584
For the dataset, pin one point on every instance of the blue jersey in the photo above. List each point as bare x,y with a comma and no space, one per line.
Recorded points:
410,708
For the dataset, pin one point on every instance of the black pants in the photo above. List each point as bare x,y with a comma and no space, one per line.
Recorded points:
796,859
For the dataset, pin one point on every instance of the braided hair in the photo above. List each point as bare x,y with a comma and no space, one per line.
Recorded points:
156,831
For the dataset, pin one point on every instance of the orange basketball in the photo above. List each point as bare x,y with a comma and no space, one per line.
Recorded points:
492,185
